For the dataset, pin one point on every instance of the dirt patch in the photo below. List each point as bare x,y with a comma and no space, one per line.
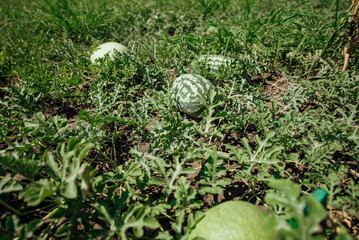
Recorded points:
275,85
3,146
124,143
57,107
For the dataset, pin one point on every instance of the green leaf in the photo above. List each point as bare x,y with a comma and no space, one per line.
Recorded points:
286,186
138,232
185,195
26,167
57,214
188,171
120,202
51,162
211,173
72,144
20,230
212,190
68,189
343,234
221,114
163,235
85,148
137,217
7,185
294,223
62,231
87,177
135,170
157,181
105,215
35,193
177,225
11,226
151,223
223,182
30,228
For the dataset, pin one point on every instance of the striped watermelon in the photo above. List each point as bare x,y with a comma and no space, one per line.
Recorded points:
212,62
187,92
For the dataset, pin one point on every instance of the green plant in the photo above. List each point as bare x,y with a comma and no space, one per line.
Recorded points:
79,18
210,174
293,223
91,152
265,158
15,229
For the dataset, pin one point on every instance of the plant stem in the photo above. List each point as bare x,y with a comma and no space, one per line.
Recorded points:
10,208
107,158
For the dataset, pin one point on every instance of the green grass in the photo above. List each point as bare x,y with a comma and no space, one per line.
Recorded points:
89,152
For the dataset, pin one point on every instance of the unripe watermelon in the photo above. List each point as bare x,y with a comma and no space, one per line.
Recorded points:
110,48
212,62
187,92
233,220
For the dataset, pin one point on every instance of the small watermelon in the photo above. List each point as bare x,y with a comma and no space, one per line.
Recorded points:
110,48
212,62
233,220
187,92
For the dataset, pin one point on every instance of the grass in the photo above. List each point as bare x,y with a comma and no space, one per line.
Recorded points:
100,151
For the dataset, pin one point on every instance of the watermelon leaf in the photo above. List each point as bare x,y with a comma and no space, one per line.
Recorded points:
293,222
211,173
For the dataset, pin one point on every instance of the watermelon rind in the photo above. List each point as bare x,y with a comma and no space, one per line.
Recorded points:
188,93
233,220
107,49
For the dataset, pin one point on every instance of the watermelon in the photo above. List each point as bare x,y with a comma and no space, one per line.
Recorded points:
109,48
233,220
188,91
212,62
